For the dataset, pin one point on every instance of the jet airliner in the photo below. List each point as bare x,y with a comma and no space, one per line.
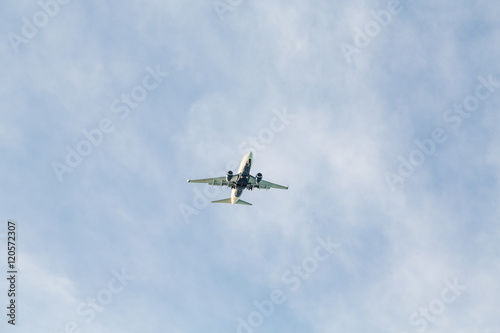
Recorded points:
239,182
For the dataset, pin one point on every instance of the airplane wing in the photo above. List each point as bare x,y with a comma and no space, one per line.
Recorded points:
265,185
219,181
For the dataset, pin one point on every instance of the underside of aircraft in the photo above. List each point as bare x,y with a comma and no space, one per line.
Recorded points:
239,182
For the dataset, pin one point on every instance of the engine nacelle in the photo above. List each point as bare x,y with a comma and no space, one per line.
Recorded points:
258,178
229,176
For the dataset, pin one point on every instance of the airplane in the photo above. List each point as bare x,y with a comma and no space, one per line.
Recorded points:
240,181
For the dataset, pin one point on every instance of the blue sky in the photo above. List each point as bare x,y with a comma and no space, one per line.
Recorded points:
391,153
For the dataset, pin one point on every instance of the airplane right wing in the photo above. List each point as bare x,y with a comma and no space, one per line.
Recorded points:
219,181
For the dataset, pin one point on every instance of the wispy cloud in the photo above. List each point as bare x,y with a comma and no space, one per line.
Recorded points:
227,79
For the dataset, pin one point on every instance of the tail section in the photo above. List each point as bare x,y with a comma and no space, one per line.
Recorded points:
239,202
222,201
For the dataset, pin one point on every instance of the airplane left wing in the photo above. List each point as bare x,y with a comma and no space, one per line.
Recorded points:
265,185
219,181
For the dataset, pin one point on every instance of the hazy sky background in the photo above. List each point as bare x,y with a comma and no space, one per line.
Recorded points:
361,98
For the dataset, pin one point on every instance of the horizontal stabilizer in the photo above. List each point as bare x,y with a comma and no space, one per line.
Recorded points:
239,202
222,201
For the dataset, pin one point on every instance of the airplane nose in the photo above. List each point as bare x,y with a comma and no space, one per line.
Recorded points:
250,155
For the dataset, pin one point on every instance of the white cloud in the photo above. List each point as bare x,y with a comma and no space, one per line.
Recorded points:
120,206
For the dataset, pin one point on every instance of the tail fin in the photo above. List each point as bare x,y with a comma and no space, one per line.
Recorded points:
239,202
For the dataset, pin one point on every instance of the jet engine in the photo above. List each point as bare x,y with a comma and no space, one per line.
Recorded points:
229,176
258,178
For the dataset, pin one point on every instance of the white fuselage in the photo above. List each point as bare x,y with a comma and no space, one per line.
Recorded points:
243,174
